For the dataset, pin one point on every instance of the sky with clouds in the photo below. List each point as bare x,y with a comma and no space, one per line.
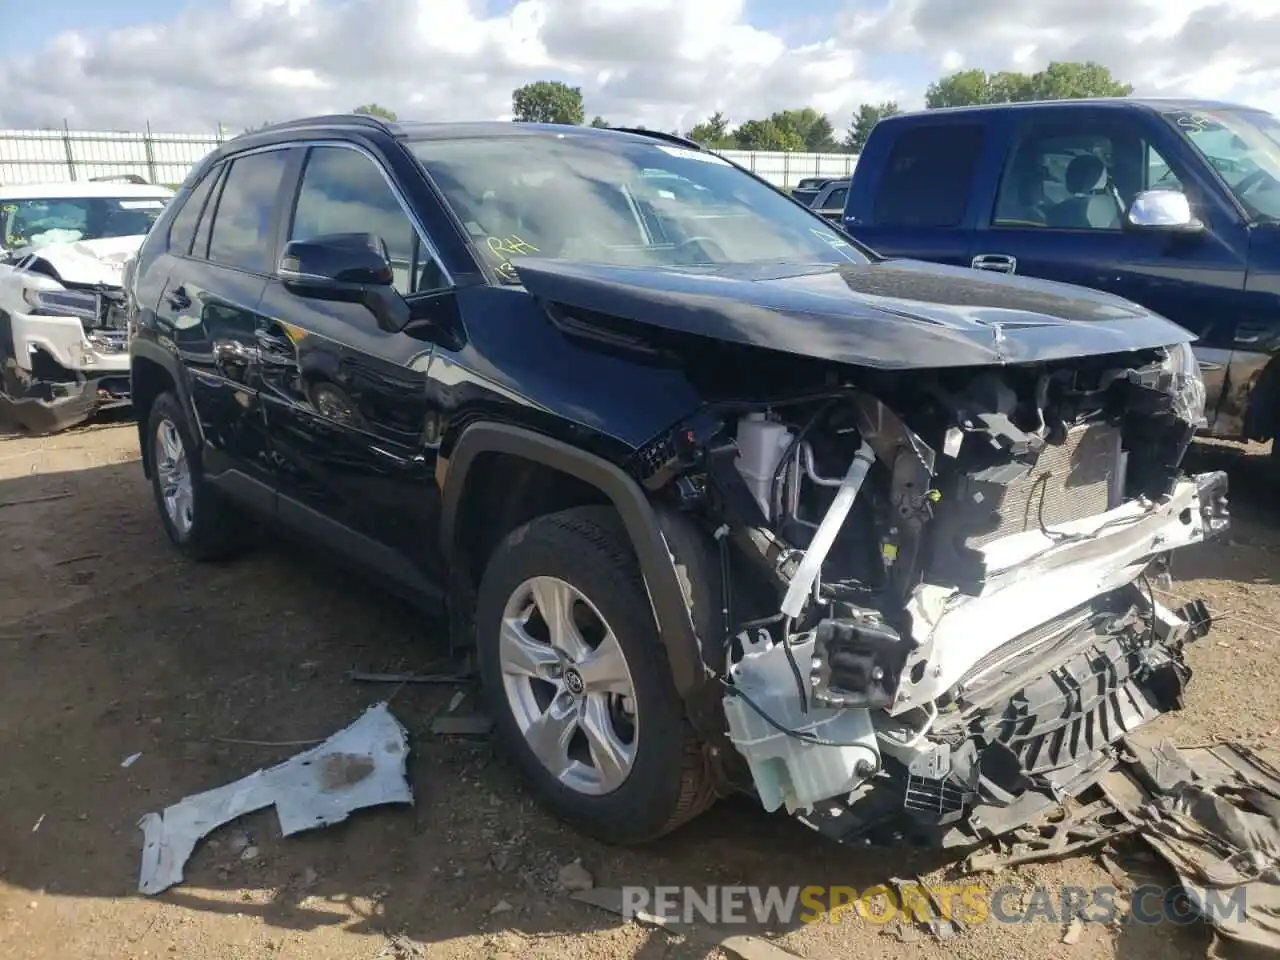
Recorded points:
662,63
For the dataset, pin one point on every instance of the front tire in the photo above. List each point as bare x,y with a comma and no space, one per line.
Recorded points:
578,681
198,522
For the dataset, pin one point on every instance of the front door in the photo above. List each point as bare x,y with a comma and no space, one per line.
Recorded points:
346,402
1059,215
209,309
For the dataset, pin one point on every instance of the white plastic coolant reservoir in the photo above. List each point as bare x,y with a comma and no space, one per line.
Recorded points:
761,445
788,771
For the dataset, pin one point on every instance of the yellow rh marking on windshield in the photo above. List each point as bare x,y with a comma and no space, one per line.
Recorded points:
507,247
504,248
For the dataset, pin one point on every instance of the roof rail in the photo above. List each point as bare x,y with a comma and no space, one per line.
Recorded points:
662,135
331,120
121,178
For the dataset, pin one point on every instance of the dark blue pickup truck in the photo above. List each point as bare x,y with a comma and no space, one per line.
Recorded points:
1172,204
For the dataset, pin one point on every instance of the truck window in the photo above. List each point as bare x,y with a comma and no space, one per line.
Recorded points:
927,178
1077,177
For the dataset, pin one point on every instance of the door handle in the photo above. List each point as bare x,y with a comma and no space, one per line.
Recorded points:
178,298
995,262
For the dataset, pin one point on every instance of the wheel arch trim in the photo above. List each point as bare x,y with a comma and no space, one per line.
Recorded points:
153,353
657,565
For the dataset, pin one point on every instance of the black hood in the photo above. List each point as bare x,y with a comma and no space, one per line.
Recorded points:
888,314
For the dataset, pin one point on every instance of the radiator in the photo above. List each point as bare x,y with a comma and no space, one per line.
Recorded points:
1080,478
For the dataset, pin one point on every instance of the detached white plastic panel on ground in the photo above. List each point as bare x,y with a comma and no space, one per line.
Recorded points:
362,766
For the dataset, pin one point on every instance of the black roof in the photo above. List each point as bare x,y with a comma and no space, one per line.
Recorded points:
1158,104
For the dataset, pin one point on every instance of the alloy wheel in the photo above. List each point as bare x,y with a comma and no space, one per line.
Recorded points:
174,473
568,685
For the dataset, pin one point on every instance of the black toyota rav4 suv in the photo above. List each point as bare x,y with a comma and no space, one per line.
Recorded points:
719,499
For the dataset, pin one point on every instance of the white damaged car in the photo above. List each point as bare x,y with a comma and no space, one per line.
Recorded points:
63,337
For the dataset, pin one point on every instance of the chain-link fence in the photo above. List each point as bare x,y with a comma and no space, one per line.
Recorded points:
42,156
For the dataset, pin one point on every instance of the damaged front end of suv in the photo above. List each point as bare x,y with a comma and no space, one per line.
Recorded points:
63,334
64,249
937,547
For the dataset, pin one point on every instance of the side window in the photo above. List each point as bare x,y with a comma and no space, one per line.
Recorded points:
182,229
1078,177
200,247
343,191
836,198
241,235
928,176
1159,175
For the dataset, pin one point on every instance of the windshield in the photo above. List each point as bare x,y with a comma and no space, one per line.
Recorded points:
619,201
1244,147
37,222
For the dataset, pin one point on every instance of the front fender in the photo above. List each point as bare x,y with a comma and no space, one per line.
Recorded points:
152,370
666,597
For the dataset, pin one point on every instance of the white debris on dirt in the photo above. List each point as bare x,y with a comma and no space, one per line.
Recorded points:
361,766
130,760
575,878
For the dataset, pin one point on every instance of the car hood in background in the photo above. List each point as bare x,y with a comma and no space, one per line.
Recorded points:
887,314
93,262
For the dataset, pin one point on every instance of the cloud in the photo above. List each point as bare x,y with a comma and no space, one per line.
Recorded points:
1225,49
662,63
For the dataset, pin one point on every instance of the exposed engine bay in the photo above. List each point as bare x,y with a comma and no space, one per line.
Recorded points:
938,605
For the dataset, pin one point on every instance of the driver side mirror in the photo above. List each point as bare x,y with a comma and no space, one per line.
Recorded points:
347,267
1165,210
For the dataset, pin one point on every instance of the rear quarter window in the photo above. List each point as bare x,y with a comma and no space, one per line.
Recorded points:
928,175
182,228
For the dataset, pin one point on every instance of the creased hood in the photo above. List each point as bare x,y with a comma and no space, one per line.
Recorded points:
889,314
88,261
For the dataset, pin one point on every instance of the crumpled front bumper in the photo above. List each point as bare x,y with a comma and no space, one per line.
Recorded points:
38,416
1066,653
1034,578
64,339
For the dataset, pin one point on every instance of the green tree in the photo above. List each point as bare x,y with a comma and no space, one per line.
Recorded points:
713,133
373,110
962,89
548,101
802,129
868,115
1060,80
813,129
599,122
767,135
1071,81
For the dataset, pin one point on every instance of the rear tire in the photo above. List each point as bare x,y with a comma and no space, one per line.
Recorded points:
584,555
199,522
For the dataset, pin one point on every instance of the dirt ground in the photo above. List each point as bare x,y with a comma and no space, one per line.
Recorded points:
111,645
